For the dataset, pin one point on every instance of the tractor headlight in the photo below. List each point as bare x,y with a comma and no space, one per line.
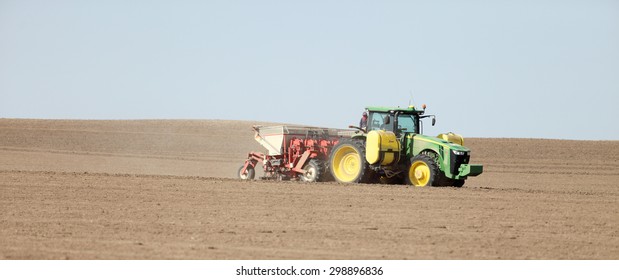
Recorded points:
459,153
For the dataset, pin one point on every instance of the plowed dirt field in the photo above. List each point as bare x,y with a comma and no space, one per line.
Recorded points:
166,190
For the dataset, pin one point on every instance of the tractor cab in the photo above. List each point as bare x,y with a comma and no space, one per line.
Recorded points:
397,120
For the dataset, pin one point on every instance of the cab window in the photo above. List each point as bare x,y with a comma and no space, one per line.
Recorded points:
376,120
406,123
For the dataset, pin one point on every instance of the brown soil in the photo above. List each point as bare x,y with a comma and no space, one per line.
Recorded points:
165,190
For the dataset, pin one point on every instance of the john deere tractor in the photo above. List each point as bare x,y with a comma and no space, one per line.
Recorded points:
392,149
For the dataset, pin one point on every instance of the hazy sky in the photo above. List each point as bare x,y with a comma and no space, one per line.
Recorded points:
533,69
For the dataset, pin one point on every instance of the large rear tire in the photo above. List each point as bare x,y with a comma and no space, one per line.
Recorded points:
422,172
347,163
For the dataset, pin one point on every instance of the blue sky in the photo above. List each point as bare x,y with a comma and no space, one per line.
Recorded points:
531,69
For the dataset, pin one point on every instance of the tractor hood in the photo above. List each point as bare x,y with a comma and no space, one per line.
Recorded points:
453,158
438,141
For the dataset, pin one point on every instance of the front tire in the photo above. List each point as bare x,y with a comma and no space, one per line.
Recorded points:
422,172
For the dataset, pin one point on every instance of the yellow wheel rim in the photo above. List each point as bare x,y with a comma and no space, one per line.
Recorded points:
419,174
346,164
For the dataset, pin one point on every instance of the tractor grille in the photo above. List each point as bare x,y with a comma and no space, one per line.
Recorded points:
457,160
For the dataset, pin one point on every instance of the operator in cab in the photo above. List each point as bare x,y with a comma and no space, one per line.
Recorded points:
363,123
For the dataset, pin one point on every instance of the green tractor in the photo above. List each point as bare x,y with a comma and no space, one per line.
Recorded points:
393,150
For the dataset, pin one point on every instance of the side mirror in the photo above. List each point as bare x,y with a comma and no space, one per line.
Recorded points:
387,120
433,121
